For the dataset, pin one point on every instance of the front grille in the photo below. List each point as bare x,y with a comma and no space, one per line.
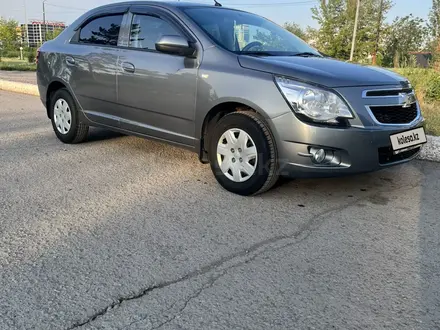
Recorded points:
386,155
395,114
391,92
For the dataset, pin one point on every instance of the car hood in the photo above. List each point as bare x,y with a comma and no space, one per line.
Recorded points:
322,71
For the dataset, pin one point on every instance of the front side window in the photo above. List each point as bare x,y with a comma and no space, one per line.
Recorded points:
102,31
242,32
146,30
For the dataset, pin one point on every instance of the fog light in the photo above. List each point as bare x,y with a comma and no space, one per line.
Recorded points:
318,155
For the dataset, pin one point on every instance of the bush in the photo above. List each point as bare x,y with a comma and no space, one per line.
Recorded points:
433,89
426,82
31,55
11,53
17,66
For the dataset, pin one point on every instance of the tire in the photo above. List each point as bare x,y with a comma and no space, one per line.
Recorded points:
65,118
249,130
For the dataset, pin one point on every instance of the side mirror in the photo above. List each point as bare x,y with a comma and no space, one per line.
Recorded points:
175,45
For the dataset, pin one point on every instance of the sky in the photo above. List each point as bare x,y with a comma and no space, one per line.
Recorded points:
280,11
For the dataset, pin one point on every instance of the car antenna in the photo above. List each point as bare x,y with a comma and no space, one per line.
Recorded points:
217,4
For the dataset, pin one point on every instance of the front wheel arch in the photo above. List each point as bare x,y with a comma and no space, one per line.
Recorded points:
213,116
266,170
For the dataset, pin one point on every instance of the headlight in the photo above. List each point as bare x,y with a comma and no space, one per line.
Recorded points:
317,104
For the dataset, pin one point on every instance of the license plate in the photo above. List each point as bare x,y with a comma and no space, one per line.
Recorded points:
407,139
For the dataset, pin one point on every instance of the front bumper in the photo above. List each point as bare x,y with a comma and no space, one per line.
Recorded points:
359,149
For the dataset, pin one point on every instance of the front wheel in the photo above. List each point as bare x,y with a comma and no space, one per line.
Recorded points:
243,154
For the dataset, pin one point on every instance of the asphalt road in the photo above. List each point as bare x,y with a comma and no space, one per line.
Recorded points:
28,77
125,233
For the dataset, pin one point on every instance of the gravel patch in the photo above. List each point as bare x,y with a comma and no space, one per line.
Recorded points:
432,150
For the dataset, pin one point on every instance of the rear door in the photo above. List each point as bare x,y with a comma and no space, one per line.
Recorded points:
156,91
92,65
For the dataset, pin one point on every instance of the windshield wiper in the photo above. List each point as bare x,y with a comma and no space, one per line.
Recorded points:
256,53
306,54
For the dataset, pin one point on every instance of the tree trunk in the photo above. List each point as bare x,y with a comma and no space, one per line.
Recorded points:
397,59
436,57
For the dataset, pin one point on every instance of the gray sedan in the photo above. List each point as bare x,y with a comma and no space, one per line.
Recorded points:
250,98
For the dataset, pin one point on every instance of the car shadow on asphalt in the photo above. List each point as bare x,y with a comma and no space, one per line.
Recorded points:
101,134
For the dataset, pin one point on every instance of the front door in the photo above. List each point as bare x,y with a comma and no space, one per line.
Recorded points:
156,91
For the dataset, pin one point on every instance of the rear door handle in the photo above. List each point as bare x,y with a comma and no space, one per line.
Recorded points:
127,67
70,60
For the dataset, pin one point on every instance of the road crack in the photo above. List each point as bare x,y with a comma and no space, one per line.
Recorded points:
250,254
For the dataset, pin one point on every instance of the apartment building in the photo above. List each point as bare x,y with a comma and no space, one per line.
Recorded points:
33,33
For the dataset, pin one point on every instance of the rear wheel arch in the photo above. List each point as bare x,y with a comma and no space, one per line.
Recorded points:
213,116
65,118
51,89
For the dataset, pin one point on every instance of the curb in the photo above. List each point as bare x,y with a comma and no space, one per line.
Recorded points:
19,87
431,151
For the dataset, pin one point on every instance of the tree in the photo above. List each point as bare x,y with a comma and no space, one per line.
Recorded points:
8,33
333,35
296,30
434,20
53,34
406,34
434,32
336,24
105,36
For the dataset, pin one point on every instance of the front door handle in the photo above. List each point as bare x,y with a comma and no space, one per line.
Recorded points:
70,60
127,67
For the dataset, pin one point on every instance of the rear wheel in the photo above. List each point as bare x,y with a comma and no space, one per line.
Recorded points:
65,119
243,154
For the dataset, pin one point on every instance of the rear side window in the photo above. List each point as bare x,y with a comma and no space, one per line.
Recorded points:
146,30
102,31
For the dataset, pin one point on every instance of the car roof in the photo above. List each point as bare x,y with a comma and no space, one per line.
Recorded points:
162,3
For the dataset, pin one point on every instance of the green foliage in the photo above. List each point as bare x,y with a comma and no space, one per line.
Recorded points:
405,34
11,53
8,33
426,82
50,35
31,55
434,32
434,20
333,36
17,65
296,30
432,115
336,24
433,89
270,39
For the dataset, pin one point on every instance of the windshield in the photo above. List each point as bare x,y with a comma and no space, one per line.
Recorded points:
246,33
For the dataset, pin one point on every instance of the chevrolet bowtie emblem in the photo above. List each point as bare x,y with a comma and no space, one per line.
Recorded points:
407,99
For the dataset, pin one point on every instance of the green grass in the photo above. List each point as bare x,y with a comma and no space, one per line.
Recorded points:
426,82
12,64
431,112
